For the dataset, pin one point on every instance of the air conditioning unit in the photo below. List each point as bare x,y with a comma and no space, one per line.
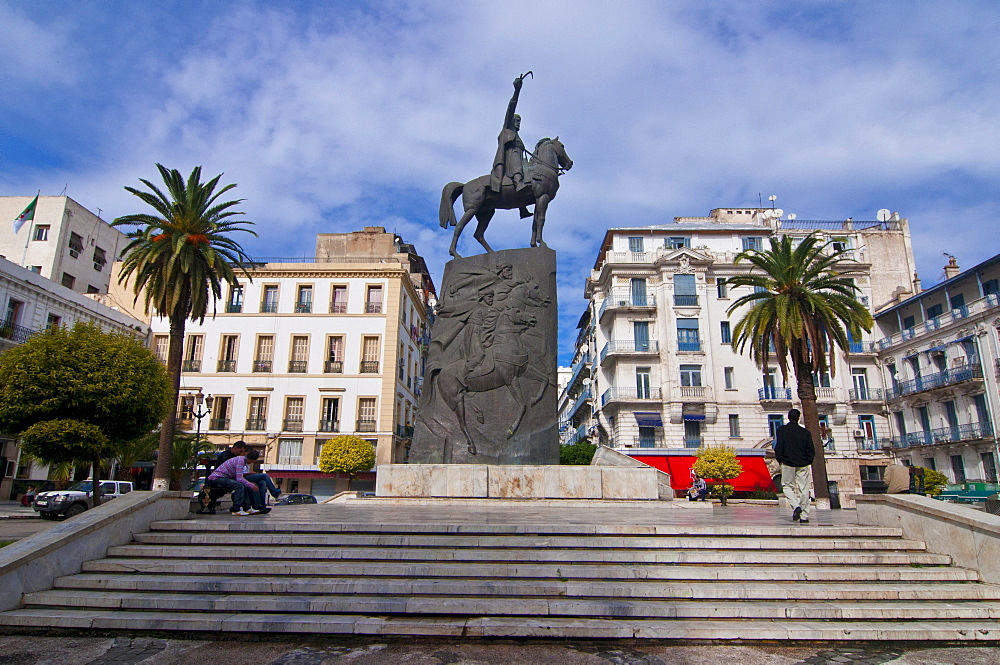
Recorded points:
864,300
75,253
859,433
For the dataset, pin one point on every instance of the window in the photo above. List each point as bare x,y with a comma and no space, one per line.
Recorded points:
991,286
92,289
185,409
401,363
678,243
958,301
235,303
900,422
290,451
366,414
725,333
41,232
930,463
734,426
369,355
373,300
989,466
193,353
774,421
330,415
690,375
294,408
637,288
100,259
720,288
728,373
958,468
935,311
692,434
635,245
687,335
52,322
304,300
75,245
338,300
269,304
68,280
870,441
160,347
227,357
300,355
909,321
753,243
640,332
642,390
859,375
334,356
685,291
264,354
257,415
220,413
35,269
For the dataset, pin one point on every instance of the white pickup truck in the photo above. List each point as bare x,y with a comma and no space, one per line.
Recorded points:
77,498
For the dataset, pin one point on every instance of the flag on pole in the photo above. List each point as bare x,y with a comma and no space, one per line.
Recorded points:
26,216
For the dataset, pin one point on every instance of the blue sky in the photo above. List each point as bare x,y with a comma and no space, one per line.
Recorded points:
333,115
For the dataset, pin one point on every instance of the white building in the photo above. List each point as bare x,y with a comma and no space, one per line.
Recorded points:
65,242
31,303
941,362
654,369
308,350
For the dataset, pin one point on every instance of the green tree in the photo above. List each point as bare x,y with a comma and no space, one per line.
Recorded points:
178,258
134,450
73,395
802,308
346,454
579,453
718,463
187,455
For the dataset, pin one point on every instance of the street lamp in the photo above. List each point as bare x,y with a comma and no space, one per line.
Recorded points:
198,413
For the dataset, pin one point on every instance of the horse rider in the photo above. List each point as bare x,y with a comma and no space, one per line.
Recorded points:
509,160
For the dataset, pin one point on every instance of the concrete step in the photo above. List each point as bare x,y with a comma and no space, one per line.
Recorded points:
775,571
511,627
540,541
733,557
521,589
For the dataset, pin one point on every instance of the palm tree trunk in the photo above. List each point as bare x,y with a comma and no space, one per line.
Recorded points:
96,488
175,353
810,420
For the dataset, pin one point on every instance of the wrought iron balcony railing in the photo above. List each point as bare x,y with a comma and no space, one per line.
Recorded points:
218,423
685,301
329,426
967,372
268,307
292,425
953,434
369,367
262,366
298,366
865,395
333,367
366,425
772,393
629,394
191,366
234,307
256,424
17,334
226,366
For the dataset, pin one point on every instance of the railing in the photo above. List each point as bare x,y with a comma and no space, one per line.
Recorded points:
863,347
329,426
630,257
685,301
303,308
365,425
333,367
191,366
218,423
654,441
17,334
823,392
369,367
292,425
404,431
992,301
693,442
689,345
629,394
772,393
580,401
262,366
234,307
630,346
226,366
373,308
268,307
256,424
298,366
868,444
338,308
623,299
577,370
865,395
967,372
579,435
694,391
953,434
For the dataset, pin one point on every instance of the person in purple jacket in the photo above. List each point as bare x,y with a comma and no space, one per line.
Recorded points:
230,475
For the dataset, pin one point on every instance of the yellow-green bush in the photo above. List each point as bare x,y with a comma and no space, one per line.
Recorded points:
346,454
718,463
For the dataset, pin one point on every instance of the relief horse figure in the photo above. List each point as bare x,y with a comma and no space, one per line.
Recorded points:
542,172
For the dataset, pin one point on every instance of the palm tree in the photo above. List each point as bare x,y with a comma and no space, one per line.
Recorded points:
802,308
179,257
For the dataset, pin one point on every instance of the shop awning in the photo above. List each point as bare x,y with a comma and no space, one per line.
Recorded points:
694,416
644,419
300,475
755,473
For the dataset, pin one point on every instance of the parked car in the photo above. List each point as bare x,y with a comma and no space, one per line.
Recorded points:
291,499
77,498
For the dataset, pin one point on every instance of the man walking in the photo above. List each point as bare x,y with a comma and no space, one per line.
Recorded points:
794,450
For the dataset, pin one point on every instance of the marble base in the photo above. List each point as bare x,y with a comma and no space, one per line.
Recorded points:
516,482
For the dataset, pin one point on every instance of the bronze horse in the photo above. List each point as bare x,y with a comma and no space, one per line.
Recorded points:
543,170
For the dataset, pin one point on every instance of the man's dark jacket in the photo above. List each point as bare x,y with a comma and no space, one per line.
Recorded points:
794,446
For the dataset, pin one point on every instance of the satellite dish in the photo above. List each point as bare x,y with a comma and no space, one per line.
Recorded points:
792,215
882,215
772,197
779,212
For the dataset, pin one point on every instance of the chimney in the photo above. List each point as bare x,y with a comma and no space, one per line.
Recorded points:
952,268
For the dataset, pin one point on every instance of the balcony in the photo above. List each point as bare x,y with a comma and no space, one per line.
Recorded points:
960,374
863,347
689,345
291,425
298,366
991,301
373,308
685,301
256,424
942,435
218,423
826,394
329,426
577,371
629,395
369,367
627,346
693,442
579,435
623,299
333,367
262,366
404,431
695,393
655,441
268,307
630,257
770,393
865,395
580,401
303,308
17,334
191,366
365,425
226,366
338,308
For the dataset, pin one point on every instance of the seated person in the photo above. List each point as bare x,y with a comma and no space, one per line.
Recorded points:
229,475
262,480
699,489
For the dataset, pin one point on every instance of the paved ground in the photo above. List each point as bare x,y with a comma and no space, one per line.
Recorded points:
35,650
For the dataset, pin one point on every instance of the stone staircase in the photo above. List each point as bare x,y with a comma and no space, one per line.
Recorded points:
694,582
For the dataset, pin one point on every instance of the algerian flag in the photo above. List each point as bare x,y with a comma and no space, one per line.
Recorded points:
26,216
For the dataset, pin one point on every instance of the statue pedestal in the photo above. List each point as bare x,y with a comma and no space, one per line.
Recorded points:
488,481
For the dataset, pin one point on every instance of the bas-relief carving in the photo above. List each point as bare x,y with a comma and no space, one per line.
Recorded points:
489,387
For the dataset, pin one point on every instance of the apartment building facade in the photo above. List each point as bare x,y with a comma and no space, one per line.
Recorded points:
65,242
940,363
306,351
654,369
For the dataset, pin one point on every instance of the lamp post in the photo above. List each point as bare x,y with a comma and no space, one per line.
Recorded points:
198,414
